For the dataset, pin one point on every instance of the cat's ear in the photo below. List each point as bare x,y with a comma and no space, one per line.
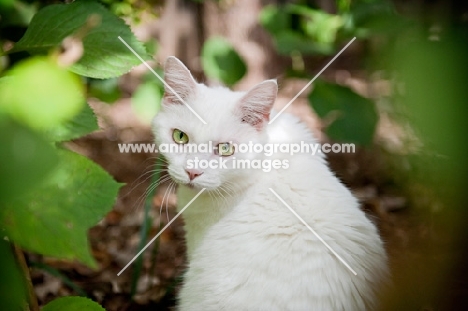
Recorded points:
180,81
256,104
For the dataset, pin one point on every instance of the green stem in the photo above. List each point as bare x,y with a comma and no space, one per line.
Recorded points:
56,273
32,299
145,228
154,252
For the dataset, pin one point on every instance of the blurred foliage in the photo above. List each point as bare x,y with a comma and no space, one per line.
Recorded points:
106,90
16,13
345,107
221,61
430,68
13,286
146,100
301,30
72,304
82,123
50,196
132,9
27,157
432,72
42,105
76,195
103,55
313,31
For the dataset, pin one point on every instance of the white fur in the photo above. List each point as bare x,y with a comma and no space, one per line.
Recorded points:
246,250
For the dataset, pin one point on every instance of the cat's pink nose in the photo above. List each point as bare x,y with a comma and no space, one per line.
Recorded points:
192,174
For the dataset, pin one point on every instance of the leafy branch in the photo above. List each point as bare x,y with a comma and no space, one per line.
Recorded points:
52,196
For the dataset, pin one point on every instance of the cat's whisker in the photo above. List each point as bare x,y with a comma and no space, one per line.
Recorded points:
225,190
154,168
218,197
143,197
154,164
163,160
211,195
162,201
225,199
228,185
153,158
228,191
150,189
171,186
167,199
144,180
159,157
152,186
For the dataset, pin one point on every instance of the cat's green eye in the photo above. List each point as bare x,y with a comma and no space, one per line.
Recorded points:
180,137
225,149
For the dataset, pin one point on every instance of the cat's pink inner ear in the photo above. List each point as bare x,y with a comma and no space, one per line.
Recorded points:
256,104
179,80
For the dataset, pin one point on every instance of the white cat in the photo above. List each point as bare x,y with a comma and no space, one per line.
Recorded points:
246,249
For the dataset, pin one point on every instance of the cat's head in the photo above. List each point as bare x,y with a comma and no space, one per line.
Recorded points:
230,117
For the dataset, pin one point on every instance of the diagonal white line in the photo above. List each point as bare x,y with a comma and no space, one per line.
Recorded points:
311,81
162,80
162,230
313,231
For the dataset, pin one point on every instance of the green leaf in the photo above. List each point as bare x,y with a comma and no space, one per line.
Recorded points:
16,13
53,220
222,62
146,101
377,18
318,25
105,56
106,90
72,303
315,33
361,11
343,6
356,117
6,3
13,290
25,159
323,27
434,101
289,41
83,123
41,94
275,19
151,46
